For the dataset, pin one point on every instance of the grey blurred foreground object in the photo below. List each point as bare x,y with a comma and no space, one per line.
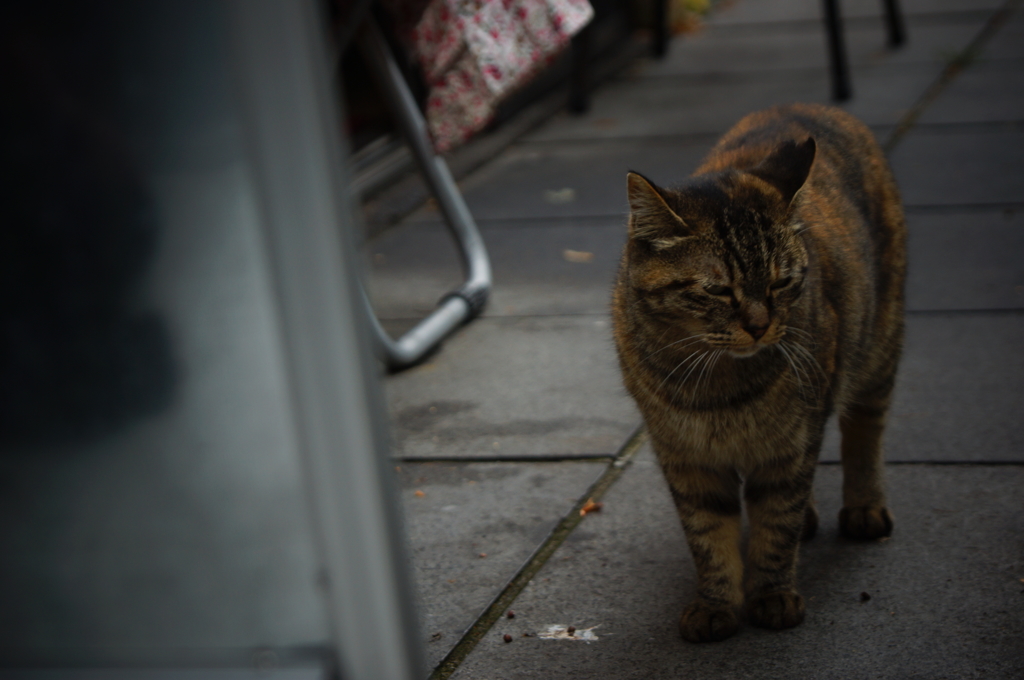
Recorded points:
194,478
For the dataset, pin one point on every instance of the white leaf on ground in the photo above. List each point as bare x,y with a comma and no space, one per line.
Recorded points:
557,631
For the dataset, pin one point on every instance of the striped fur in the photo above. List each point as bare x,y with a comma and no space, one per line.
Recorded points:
752,302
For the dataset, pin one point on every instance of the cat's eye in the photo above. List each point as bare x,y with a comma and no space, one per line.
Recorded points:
718,290
781,283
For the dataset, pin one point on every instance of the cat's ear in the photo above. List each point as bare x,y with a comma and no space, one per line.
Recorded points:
787,167
650,218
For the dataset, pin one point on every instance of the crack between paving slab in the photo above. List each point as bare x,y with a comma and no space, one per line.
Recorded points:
708,137
554,458
944,463
982,126
856,22
539,558
965,312
530,221
951,208
952,70
780,73
485,315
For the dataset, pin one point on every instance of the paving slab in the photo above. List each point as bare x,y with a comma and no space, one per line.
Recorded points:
988,91
456,512
720,50
966,260
958,395
549,266
531,180
1008,42
938,167
945,591
960,260
712,103
800,10
514,386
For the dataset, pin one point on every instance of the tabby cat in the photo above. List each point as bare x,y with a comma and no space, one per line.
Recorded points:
754,300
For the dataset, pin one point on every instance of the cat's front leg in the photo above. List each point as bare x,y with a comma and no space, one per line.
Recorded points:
777,499
708,502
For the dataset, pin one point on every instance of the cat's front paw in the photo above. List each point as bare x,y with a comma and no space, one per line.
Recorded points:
865,522
702,622
776,610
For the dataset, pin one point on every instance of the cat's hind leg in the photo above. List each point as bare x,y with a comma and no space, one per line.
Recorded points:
810,519
778,497
864,514
708,502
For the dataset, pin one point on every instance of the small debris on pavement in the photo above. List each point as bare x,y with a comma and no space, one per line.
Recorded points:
560,196
436,636
511,614
419,494
560,632
528,635
507,638
590,506
864,597
483,555
577,256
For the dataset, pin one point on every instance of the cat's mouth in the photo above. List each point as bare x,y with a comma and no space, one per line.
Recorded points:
745,350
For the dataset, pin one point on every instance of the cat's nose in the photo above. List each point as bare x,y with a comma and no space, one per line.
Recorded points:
756,332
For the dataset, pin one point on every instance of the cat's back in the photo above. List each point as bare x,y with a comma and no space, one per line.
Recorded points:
842,140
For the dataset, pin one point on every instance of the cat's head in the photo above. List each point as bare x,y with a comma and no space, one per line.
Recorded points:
721,255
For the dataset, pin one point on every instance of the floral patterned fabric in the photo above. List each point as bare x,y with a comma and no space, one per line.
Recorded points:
476,52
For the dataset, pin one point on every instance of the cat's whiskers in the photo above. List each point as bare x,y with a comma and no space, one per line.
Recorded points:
794,371
816,377
703,363
800,356
803,228
686,376
692,368
708,369
811,360
698,336
802,332
688,359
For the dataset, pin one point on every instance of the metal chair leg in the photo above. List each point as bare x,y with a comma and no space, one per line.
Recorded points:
579,99
840,69
467,301
660,28
894,23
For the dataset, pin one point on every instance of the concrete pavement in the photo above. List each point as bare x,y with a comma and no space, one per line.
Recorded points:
502,433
